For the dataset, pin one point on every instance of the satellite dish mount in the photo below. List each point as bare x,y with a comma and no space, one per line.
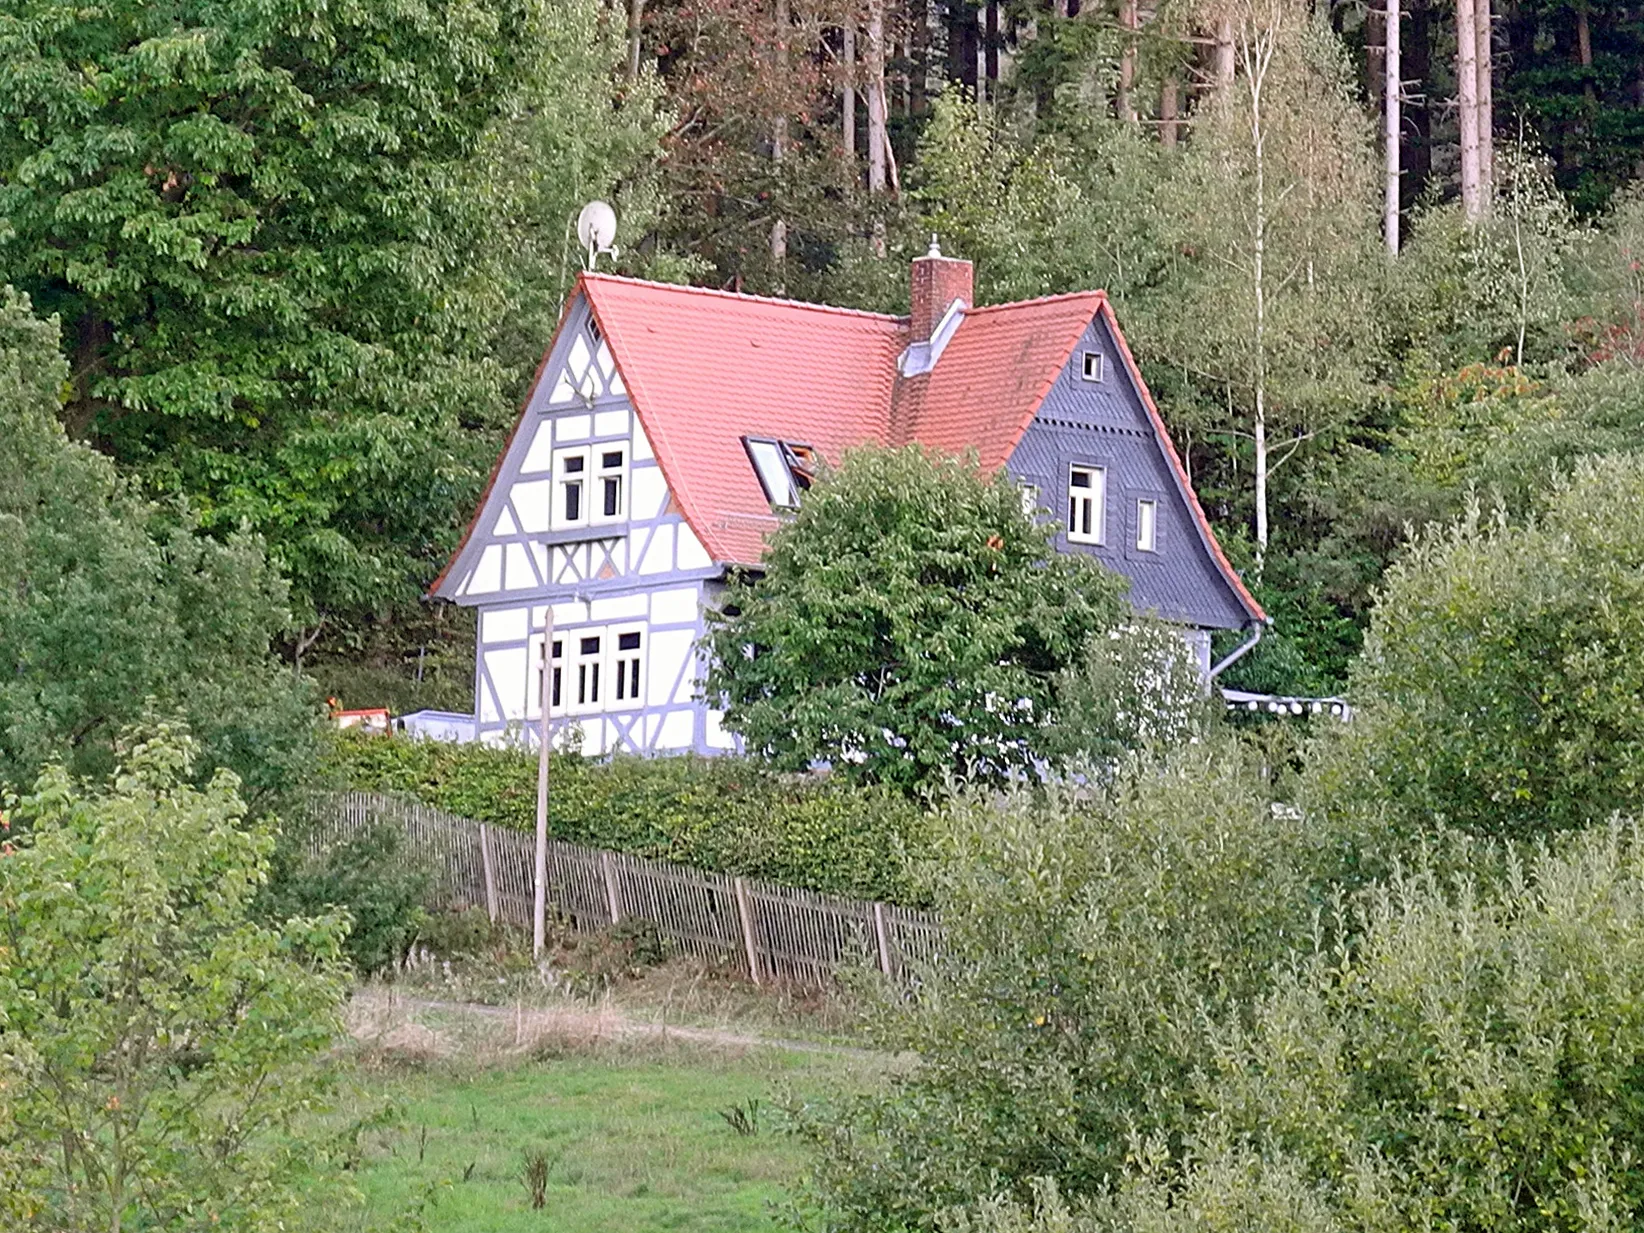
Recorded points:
596,228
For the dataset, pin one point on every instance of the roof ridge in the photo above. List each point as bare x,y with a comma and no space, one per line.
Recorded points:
742,297
1095,293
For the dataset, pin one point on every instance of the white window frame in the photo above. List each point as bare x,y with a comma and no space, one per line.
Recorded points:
625,669
584,692
1147,524
1086,505
603,474
533,704
564,478
1093,367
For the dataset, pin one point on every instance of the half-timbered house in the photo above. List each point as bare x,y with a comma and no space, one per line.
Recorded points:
669,429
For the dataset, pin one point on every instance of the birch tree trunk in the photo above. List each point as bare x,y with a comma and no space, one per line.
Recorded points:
1170,104
1257,52
779,126
636,18
1392,127
1467,104
875,89
847,101
1127,63
1484,73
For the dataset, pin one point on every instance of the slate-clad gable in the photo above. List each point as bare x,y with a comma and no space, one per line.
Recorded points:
1105,424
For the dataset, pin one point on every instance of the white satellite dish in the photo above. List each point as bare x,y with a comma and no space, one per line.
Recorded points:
596,228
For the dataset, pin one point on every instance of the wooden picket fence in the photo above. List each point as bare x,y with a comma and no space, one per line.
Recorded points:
777,933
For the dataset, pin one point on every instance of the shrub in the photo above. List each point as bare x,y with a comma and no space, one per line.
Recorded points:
1093,947
726,814
161,1053
1462,1058
370,875
1501,690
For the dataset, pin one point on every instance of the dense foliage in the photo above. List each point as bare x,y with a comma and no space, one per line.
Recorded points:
727,814
293,245
109,610
1461,1056
161,1054
1095,947
1500,686
910,625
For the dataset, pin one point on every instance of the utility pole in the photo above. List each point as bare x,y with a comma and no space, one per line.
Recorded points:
539,905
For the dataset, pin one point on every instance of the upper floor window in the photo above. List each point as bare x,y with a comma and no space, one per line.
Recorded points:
1092,366
785,469
1086,498
590,486
1147,524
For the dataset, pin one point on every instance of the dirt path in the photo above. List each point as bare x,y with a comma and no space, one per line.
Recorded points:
393,1021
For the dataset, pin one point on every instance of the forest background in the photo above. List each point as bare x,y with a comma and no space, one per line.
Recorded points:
303,258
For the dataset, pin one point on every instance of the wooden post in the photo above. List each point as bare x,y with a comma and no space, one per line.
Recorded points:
608,868
539,903
488,867
883,935
745,911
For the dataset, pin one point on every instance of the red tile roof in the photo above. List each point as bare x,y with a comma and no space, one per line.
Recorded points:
705,368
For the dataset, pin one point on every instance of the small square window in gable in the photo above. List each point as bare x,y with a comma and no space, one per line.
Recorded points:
1092,366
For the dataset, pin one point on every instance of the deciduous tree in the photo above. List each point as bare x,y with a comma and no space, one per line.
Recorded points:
909,625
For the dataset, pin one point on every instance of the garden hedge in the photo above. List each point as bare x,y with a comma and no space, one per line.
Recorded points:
725,814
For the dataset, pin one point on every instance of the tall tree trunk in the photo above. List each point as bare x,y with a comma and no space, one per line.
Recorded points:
779,130
1467,104
1485,71
875,90
1584,48
1170,104
1126,103
1258,49
636,18
847,100
1392,128
1222,63
1416,57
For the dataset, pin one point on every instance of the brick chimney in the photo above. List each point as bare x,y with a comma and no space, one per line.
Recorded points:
936,282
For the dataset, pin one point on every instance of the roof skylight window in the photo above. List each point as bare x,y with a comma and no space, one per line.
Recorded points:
785,469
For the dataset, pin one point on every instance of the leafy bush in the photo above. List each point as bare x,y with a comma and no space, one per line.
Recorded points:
1501,690
1460,1058
726,813
1094,948
161,1053
371,875
106,615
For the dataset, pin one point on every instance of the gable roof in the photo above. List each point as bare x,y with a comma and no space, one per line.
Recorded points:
704,368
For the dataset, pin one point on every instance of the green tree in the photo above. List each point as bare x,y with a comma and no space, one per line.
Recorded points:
161,1055
278,239
1500,689
108,610
909,625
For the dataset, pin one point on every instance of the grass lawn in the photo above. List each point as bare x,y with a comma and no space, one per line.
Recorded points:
637,1142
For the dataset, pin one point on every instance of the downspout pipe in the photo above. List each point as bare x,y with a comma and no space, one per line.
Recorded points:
1239,652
